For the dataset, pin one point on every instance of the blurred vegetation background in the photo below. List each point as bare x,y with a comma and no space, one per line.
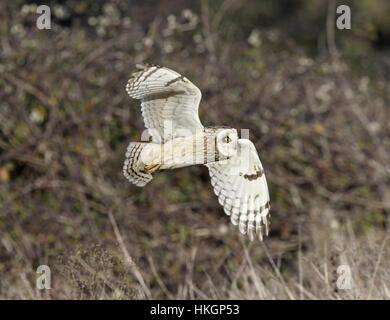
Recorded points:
316,101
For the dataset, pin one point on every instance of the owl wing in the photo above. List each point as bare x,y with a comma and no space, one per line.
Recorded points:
242,190
168,101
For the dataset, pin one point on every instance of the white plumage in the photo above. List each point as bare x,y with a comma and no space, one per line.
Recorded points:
242,190
165,96
169,104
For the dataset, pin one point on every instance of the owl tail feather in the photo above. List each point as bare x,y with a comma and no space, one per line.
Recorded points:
134,169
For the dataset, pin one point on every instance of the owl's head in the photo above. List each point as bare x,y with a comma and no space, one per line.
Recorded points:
227,142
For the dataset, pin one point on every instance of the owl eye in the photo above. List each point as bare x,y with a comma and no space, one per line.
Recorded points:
227,139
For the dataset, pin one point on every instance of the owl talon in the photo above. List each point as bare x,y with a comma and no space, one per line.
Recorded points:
152,167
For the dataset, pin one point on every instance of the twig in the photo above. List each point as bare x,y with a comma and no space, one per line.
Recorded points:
129,259
290,295
95,273
209,41
28,285
300,261
158,278
377,266
303,290
330,37
255,278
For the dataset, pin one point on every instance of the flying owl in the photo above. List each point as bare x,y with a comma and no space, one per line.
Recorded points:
169,105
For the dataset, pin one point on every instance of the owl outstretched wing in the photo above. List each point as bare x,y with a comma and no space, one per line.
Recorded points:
242,190
169,101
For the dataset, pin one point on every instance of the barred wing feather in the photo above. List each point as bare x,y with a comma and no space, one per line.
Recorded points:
169,102
242,190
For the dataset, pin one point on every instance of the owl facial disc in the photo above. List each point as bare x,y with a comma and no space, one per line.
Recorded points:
227,142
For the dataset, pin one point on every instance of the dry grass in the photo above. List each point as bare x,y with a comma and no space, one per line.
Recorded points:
319,121
278,271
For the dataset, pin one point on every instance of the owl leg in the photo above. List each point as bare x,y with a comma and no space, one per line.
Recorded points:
149,168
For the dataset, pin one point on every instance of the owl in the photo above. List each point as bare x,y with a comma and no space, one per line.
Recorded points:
176,138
